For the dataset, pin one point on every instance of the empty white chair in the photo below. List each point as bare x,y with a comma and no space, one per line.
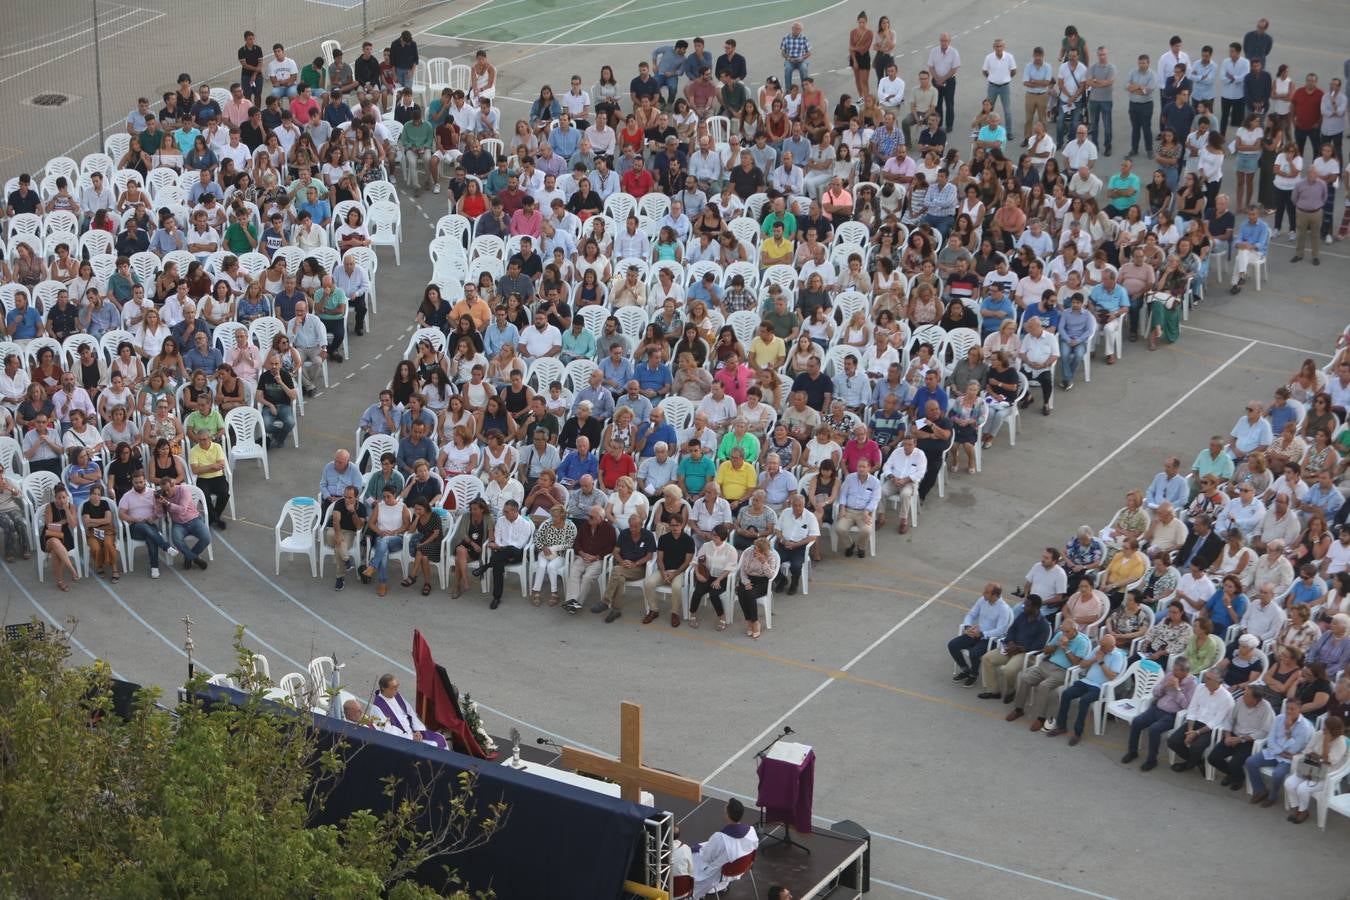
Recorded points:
1146,674
385,225
302,515
246,438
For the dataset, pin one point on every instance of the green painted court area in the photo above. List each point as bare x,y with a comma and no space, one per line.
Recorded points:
611,22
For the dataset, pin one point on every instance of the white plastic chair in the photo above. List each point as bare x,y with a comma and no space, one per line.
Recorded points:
384,222
679,412
246,438
374,447
1145,677
302,513
744,323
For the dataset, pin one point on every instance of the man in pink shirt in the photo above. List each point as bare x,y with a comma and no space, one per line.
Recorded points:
527,220
141,509
186,522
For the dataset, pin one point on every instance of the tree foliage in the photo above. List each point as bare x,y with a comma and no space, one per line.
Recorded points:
203,801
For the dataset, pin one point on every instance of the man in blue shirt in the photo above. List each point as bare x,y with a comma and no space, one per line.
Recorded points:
380,417
1168,486
616,369
1111,302
1027,634
1104,665
655,430
1281,412
285,300
417,446
1289,736
1076,325
669,61
580,461
1068,647
1249,247
994,309
858,499
987,621
499,333
931,390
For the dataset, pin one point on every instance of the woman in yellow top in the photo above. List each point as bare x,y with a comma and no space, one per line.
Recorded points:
1126,567
737,479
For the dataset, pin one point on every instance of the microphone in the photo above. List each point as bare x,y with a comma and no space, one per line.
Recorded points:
548,743
787,729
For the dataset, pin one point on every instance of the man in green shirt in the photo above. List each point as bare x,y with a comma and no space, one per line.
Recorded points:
782,320
205,418
695,469
577,342
241,235
780,213
330,305
313,75
417,141
1122,190
152,138
1214,460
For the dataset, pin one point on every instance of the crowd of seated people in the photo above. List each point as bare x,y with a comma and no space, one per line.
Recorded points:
1227,586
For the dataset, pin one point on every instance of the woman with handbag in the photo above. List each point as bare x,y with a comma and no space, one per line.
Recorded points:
713,565
100,529
1327,751
58,536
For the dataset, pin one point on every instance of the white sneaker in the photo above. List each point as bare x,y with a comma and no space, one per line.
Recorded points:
1328,239
436,188
1291,237
172,551
154,571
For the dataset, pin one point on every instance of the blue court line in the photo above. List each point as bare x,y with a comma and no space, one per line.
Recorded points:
233,621
75,642
393,662
152,629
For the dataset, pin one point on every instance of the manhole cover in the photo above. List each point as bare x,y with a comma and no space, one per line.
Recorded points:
49,100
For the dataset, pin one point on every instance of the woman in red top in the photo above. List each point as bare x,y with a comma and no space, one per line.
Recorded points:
631,134
473,204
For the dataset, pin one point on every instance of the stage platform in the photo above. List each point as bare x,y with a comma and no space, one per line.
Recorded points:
834,856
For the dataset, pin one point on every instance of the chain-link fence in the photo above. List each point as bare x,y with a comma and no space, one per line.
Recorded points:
71,70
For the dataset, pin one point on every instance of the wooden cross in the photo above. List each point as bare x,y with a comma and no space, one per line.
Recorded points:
628,770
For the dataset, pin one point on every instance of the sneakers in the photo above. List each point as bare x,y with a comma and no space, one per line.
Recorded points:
200,563
436,188
154,571
613,614
572,606
599,607
349,565
1327,239
340,583
172,551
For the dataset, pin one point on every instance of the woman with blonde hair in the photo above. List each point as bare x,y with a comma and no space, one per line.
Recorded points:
552,540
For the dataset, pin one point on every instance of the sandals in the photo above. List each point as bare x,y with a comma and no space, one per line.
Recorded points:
426,589
114,578
692,621
62,585
534,599
721,624
408,582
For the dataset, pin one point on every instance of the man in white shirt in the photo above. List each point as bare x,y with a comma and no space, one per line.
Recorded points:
1080,152
633,242
1047,580
1263,619
14,382
798,529
891,90
998,70
1072,84
543,339
1174,56
731,843
717,407
511,534
900,476
787,178
282,73
1209,710
1031,286
1040,145
943,64
1084,184
706,165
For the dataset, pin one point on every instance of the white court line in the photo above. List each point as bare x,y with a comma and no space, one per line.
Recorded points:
70,635
585,22
152,629
1101,464
48,61
1239,337
430,31
466,35
47,42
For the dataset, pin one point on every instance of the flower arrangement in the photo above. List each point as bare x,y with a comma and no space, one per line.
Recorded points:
475,723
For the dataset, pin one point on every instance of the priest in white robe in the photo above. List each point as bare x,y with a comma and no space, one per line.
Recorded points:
734,841
393,715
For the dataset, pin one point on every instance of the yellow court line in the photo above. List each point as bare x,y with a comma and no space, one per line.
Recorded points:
867,563
889,590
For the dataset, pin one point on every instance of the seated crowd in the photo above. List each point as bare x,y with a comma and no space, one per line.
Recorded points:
1220,596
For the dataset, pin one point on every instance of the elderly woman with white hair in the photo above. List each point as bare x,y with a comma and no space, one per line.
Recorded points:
1332,649
552,540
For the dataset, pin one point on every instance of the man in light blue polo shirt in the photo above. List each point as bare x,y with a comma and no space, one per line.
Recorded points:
1251,433
1076,325
1110,301
1104,665
1068,647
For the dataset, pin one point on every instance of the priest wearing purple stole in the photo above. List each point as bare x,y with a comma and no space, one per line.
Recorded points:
393,715
728,845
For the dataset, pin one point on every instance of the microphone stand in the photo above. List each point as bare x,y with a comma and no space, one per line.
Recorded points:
765,835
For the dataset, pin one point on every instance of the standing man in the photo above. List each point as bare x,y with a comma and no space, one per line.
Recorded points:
796,50
1101,79
1306,108
250,68
403,57
1037,79
1257,43
943,64
1308,197
1333,122
1072,83
1232,80
998,70
1140,87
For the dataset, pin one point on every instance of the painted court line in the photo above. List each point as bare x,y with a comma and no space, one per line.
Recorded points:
1238,337
152,629
1102,463
70,635
80,49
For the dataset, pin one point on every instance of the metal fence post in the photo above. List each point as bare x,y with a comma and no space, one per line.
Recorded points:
98,77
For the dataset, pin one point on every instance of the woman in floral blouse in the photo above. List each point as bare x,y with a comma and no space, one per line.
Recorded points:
1131,620
1167,637
552,540
1298,633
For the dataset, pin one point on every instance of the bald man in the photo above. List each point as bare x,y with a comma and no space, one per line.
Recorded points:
337,476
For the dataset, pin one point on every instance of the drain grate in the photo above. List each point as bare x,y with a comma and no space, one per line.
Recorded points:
49,100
